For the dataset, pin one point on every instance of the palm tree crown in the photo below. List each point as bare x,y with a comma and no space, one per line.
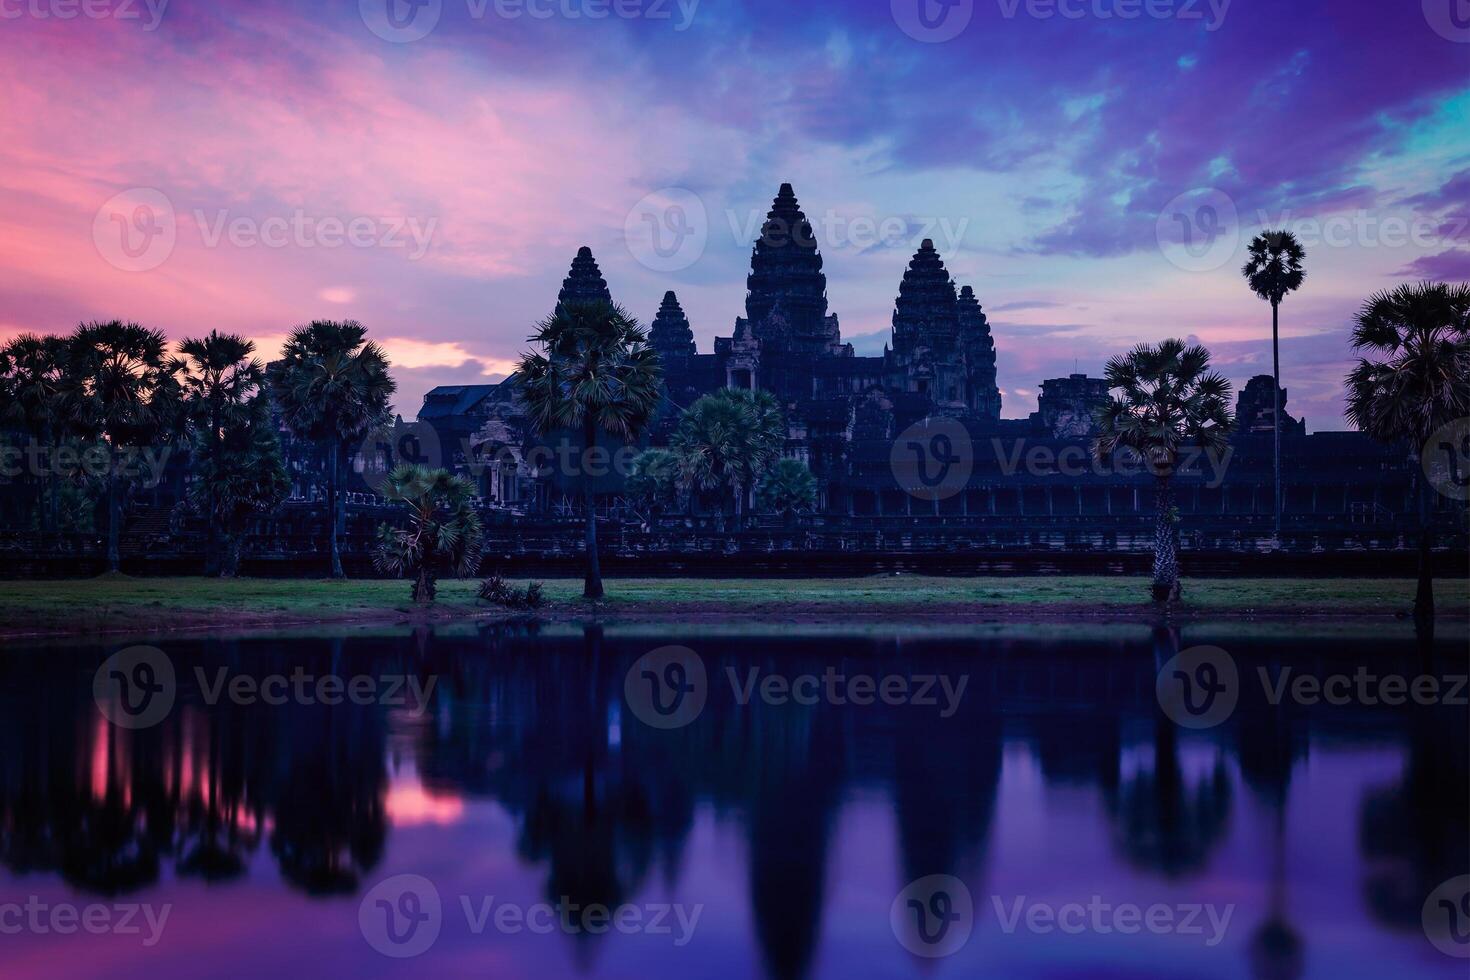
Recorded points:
331,382
1419,377
1169,399
1274,268
594,371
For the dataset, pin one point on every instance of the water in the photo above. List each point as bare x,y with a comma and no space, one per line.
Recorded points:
757,839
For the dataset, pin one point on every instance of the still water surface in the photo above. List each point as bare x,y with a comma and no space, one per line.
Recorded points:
510,774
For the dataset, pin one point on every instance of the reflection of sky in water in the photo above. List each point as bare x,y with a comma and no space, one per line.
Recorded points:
459,787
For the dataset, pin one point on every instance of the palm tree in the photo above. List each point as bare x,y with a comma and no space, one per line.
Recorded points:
1169,399
32,379
595,372
332,386
728,439
444,535
240,476
220,379
1417,381
787,488
1273,270
120,388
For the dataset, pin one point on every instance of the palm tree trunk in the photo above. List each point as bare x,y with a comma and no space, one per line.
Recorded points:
114,518
231,564
592,584
1424,593
1166,548
334,504
1276,410
211,539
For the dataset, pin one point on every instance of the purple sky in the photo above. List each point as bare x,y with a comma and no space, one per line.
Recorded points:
273,163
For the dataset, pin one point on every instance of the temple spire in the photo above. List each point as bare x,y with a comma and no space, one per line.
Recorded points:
670,333
584,283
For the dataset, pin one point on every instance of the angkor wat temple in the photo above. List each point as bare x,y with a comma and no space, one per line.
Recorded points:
1032,481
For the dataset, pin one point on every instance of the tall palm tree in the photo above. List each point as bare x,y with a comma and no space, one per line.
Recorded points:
120,389
444,534
1273,270
238,478
32,379
728,439
332,386
594,372
220,379
1415,380
1168,399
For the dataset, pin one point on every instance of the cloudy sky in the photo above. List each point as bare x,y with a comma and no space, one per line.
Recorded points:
429,167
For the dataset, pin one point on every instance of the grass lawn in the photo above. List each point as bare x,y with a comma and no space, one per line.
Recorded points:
116,603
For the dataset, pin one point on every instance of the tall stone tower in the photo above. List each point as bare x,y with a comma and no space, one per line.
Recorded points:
786,327
584,283
978,348
926,356
670,333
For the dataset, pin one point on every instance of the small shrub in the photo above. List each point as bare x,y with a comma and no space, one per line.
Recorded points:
497,590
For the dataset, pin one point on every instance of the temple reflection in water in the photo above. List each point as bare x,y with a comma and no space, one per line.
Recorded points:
1050,734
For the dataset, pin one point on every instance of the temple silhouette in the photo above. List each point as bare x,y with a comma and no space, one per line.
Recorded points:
845,411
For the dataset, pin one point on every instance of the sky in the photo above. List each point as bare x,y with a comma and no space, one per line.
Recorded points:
1093,168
